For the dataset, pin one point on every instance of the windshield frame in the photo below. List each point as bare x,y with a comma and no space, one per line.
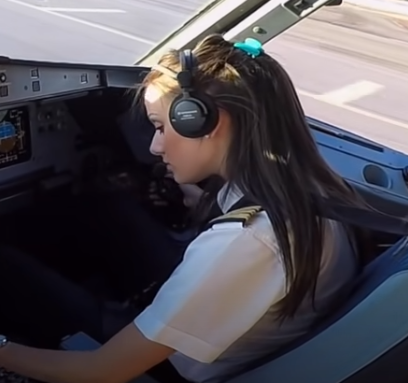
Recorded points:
236,20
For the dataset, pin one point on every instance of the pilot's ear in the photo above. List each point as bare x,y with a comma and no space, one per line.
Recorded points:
223,126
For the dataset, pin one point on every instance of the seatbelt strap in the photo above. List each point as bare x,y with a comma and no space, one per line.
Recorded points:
366,219
244,211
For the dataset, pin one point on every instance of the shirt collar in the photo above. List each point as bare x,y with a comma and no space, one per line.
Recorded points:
227,197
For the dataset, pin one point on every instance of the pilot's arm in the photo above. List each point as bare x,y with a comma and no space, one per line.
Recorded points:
227,281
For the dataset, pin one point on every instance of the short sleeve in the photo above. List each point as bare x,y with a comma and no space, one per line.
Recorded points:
227,281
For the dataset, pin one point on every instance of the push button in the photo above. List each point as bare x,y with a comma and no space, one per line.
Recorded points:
36,86
4,91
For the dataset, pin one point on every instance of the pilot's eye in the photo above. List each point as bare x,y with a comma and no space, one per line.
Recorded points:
159,128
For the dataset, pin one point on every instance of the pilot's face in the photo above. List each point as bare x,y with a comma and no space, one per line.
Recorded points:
189,160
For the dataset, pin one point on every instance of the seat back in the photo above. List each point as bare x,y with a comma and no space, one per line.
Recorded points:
372,321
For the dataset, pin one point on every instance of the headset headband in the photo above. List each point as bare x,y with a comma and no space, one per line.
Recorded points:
185,76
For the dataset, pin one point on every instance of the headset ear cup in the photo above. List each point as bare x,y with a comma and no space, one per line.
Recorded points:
194,116
175,122
212,117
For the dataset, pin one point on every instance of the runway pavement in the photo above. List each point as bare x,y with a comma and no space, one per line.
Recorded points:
351,69
350,65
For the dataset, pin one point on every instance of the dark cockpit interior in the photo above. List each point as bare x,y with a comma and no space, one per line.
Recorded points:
74,157
71,138
67,131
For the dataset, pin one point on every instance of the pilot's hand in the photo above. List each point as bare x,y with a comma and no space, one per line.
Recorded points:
155,195
192,194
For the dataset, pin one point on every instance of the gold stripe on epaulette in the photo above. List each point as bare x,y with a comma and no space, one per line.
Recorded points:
244,215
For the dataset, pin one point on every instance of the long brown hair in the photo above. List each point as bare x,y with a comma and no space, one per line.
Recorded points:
273,158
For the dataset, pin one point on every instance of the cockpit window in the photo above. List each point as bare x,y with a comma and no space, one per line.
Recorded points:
90,31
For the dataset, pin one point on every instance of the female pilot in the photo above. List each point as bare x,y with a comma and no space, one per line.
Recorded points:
241,290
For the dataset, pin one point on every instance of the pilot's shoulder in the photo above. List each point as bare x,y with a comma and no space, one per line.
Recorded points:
250,218
248,222
242,217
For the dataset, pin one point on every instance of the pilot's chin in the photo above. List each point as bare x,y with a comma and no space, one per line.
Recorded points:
181,179
178,178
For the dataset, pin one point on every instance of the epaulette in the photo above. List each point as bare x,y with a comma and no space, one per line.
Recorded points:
243,215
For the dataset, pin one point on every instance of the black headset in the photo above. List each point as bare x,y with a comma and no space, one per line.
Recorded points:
192,114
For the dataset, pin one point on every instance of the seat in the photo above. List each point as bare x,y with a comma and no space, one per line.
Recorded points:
366,340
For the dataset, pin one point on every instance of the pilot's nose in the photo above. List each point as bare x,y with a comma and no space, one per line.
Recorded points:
157,144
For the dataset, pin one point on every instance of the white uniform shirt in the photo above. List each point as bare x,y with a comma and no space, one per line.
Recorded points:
218,309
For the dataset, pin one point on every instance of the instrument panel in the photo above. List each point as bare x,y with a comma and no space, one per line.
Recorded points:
44,135
24,81
28,82
15,136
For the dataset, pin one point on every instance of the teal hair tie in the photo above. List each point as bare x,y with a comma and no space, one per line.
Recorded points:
250,46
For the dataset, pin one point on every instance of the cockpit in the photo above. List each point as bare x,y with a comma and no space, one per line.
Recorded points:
71,136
